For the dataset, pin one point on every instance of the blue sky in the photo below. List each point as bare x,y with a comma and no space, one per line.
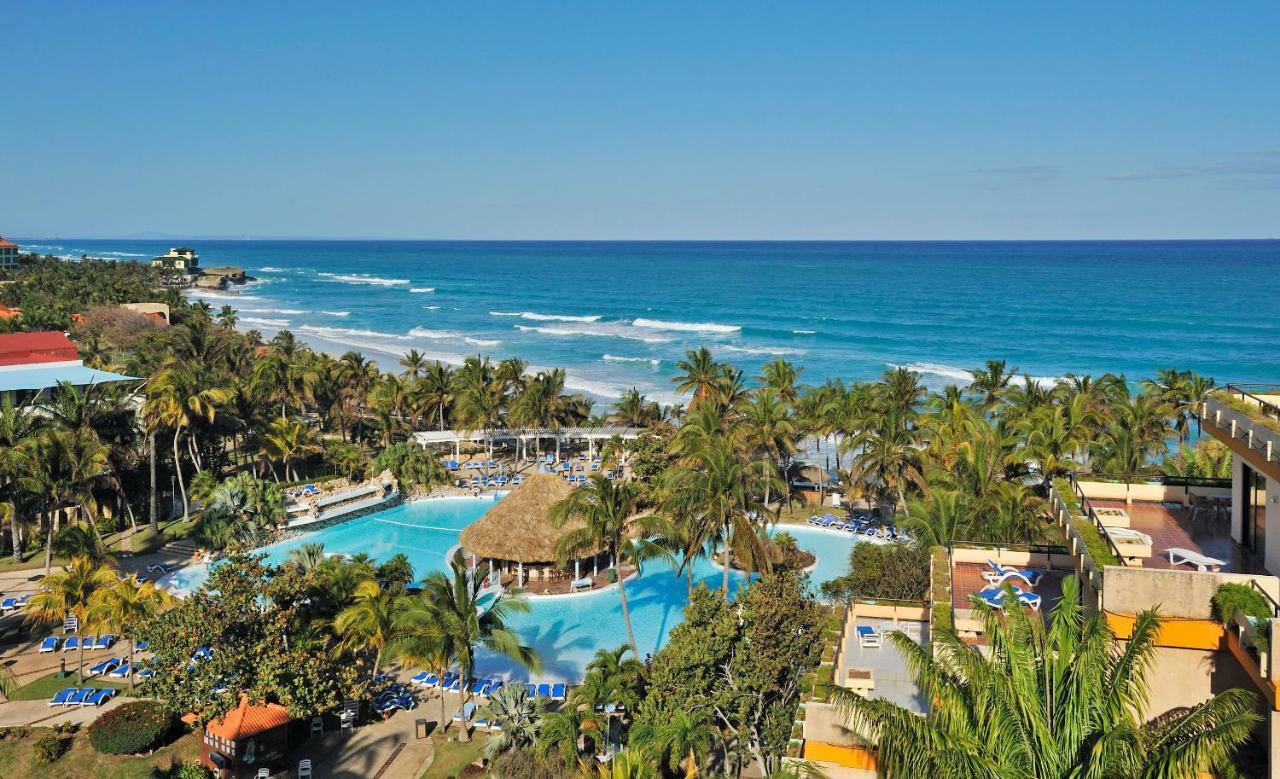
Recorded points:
641,120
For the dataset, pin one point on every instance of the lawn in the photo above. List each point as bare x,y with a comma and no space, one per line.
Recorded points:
450,757
17,760
45,687
799,513
142,542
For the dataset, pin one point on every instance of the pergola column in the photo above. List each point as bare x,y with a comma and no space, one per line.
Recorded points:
519,574
576,573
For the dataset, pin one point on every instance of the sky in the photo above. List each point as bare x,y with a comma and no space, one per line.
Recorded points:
654,120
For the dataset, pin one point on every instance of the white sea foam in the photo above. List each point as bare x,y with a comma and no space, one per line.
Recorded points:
688,327
617,358
536,317
939,369
805,332
435,335
253,320
272,311
118,254
483,341
432,308
421,289
778,350
337,313
341,332
270,269
568,331
363,278
222,297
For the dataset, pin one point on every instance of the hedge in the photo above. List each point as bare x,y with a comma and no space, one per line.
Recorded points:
131,728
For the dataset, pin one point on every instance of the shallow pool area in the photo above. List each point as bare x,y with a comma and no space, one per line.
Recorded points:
566,630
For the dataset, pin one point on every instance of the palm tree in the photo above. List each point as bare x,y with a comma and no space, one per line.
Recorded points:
419,641
414,363
369,622
633,409
682,741
781,377
770,429
609,511
177,399
123,606
1046,701
70,592
17,423
308,557
938,519
466,624
518,714
227,317
60,469
434,392
285,441
991,381
886,457
699,374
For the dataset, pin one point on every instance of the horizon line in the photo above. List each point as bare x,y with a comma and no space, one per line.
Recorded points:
355,239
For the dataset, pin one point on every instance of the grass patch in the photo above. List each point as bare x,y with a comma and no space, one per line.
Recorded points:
940,589
46,687
451,757
17,759
141,542
1067,494
799,513
1099,550
1247,408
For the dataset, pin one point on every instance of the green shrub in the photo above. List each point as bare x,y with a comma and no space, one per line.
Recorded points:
1231,598
411,465
49,748
889,571
131,728
192,770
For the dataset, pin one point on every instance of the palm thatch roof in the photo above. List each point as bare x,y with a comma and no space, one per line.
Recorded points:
518,528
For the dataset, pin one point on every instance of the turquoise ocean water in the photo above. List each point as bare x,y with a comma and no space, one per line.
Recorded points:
618,315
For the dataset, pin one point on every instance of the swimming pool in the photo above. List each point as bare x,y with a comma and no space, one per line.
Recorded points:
566,630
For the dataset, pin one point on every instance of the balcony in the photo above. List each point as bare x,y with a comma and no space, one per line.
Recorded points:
1246,417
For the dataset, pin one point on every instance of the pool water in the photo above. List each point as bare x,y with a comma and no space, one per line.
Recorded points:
566,630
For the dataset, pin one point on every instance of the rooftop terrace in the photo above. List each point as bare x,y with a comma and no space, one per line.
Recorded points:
1246,417
1204,529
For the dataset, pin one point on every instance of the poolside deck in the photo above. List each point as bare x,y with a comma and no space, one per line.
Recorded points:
1172,527
967,580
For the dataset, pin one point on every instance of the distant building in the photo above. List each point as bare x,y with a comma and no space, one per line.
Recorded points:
181,259
8,254
31,363
156,311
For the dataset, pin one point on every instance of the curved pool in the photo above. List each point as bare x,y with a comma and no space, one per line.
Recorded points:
566,630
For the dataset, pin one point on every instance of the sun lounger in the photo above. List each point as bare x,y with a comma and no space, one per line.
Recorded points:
996,597
203,653
1180,556
146,673
50,644
62,696
496,685
581,584
868,637
123,671
106,666
8,604
98,697
544,691
531,689
1000,574
71,643
104,641
465,713
425,679
517,480
478,686
79,696
558,692
142,646
158,569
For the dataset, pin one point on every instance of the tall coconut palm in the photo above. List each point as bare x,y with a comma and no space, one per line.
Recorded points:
609,512
699,372
782,377
227,317
414,363
369,622
434,393
419,641
633,409
285,441
467,624
1061,700
17,424
991,380
60,470
683,741
938,519
769,429
124,605
71,592
887,458
178,400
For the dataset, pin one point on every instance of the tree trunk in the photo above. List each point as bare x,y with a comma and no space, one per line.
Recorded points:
182,486
17,536
464,734
79,654
133,648
626,611
155,498
728,559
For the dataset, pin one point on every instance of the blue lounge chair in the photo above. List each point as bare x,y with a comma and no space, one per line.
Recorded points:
123,671
50,644
544,691
142,646
1000,574
455,685
478,686
532,689
451,465
104,641
996,597
517,480
98,697
79,696
421,679
465,713
106,666
146,673
868,637
61,698
203,653
8,604
495,686
71,643
476,481
558,692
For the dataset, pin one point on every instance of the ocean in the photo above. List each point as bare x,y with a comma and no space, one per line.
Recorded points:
617,315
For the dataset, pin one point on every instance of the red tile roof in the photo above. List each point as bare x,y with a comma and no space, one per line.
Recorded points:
7,244
25,348
248,720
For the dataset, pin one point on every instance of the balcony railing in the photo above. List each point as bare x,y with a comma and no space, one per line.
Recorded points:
1087,508
1247,414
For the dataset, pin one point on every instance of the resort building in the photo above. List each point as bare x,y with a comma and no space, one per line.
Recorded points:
245,739
517,538
8,254
180,259
33,363
1246,417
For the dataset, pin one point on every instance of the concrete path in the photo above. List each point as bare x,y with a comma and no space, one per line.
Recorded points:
15,713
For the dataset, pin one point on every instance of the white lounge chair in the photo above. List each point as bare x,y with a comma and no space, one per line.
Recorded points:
1128,535
868,637
999,574
1180,556
582,584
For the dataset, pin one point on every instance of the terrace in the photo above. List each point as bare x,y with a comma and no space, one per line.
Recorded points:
1246,417
1204,529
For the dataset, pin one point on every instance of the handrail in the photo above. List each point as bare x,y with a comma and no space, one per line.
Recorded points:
1275,607
1013,547
1266,406
1159,478
1087,506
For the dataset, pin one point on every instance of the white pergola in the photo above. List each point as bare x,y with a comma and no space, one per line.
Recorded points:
592,435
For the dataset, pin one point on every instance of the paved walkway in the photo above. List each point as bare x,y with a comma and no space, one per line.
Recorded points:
40,713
